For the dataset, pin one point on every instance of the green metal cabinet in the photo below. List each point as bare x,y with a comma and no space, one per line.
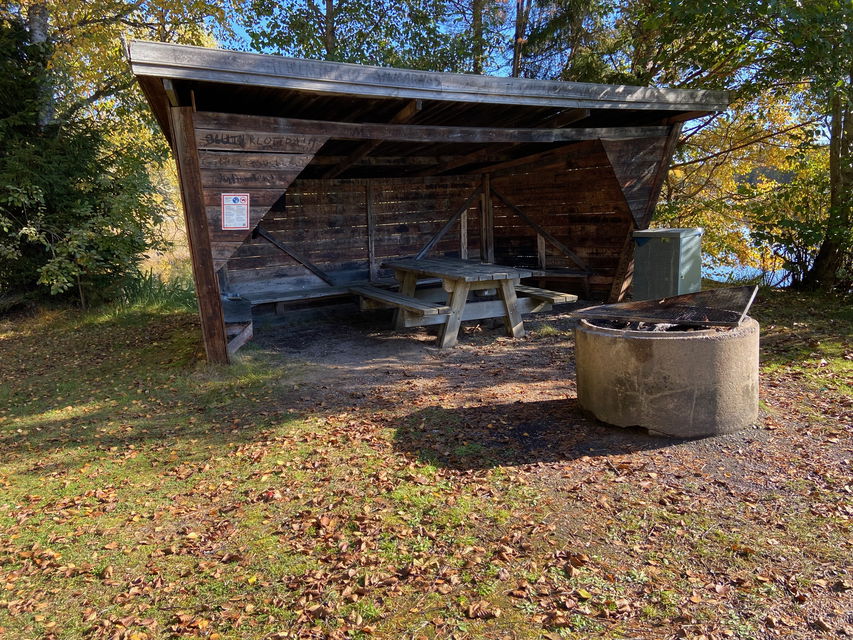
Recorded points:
667,262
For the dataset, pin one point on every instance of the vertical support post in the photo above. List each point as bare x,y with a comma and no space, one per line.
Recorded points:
487,222
408,286
483,225
624,274
463,235
542,258
195,216
449,332
371,232
512,317
540,251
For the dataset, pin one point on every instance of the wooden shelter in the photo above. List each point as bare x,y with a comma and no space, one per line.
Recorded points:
300,178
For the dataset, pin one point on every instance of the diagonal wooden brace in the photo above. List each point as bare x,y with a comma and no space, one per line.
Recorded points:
447,225
259,231
543,232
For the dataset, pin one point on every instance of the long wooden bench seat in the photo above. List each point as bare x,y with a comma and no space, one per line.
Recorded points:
543,275
394,299
560,273
546,295
294,295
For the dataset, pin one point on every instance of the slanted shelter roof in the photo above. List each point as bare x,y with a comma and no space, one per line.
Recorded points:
410,102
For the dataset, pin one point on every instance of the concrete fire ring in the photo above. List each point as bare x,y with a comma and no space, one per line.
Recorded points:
685,384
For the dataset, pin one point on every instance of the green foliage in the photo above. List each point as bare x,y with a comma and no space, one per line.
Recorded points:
776,50
784,47
398,34
566,39
152,291
788,215
74,212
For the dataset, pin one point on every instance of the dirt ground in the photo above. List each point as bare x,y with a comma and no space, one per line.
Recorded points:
360,363
494,401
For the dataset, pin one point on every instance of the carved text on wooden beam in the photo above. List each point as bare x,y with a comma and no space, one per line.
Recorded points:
236,140
245,160
255,179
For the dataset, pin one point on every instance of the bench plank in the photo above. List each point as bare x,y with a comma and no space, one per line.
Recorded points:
554,297
414,305
481,311
294,295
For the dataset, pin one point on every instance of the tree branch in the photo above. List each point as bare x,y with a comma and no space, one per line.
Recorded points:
101,93
743,145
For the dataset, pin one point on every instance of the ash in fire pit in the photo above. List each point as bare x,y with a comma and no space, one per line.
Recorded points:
688,378
643,326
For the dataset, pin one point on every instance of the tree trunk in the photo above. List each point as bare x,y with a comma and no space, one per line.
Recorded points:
38,23
835,250
522,14
329,30
478,42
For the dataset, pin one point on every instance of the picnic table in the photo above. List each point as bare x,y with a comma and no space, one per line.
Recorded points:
459,278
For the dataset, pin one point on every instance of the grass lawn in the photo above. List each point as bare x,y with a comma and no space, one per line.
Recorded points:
146,495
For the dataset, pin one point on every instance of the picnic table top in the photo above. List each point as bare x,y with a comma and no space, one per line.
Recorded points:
456,269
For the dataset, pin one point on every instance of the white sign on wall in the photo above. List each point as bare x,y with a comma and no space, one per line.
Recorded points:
235,210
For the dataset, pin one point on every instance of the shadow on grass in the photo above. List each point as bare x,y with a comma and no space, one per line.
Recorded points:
513,434
108,384
112,383
798,327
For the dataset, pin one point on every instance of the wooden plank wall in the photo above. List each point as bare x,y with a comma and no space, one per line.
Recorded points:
580,202
585,200
635,163
326,221
260,164
409,213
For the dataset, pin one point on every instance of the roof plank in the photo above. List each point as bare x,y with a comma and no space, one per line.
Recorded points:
166,60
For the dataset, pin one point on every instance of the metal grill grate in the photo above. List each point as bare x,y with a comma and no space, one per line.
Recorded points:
712,308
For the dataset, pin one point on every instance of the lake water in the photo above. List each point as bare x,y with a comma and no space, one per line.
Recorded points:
741,273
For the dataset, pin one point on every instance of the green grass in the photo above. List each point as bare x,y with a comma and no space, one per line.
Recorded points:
545,330
150,291
144,494
809,335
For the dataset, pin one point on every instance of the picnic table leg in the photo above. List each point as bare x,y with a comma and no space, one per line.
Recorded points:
408,284
449,331
512,320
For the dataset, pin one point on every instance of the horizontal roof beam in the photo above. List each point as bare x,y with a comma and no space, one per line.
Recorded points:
227,125
524,160
404,115
481,154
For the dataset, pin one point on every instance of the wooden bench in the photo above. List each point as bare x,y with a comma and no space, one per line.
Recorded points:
545,295
542,275
295,295
407,303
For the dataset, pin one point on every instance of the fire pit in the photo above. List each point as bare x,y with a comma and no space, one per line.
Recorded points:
673,378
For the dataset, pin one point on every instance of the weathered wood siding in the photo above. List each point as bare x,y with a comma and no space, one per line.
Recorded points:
577,200
587,197
260,164
636,163
326,221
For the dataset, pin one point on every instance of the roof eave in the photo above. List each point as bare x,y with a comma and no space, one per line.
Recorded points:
182,62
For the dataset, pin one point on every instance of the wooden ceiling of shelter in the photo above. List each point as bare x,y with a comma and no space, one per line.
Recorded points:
385,159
